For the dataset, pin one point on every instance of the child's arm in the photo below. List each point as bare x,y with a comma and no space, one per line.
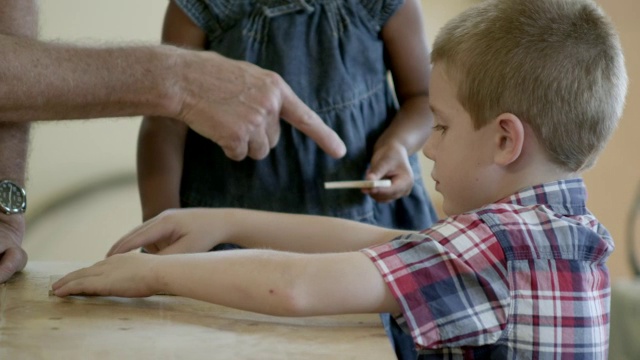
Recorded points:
161,140
160,151
264,281
198,230
408,56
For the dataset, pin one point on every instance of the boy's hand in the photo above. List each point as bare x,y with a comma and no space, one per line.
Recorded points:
175,232
128,275
390,162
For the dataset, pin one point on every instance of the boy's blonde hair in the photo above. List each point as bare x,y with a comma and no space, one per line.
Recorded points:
556,64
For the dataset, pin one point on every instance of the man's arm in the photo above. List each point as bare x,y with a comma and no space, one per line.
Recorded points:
264,281
47,81
17,18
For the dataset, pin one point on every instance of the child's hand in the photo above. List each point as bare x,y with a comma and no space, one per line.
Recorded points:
390,162
128,275
175,232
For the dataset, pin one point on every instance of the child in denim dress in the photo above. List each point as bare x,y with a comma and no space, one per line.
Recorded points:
335,55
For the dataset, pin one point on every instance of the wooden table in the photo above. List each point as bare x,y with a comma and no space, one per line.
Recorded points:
34,325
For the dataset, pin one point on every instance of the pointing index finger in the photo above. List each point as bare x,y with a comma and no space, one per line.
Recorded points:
300,116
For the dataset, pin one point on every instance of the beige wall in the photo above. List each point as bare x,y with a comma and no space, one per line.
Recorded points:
66,155
613,181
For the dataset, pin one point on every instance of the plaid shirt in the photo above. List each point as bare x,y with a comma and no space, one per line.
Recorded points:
519,279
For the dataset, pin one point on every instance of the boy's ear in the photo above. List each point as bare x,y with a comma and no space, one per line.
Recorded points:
509,139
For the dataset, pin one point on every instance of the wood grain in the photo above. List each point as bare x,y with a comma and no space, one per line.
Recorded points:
34,325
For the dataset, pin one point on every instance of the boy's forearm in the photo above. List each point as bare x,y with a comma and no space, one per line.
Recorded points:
301,233
277,283
45,81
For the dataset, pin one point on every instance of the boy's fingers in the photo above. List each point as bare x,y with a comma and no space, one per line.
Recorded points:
75,275
144,236
78,286
178,247
115,248
300,116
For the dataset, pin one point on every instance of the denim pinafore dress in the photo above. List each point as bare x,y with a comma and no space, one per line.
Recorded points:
331,54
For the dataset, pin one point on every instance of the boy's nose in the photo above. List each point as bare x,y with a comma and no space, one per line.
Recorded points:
429,148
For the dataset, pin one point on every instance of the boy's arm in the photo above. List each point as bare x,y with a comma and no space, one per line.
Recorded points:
17,18
269,282
199,230
161,140
408,56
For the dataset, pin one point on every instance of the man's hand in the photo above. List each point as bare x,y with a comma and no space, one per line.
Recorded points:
12,257
239,105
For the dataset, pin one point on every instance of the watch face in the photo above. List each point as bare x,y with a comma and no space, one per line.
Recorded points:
13,198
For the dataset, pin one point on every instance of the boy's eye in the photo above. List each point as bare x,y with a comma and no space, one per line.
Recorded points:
439,127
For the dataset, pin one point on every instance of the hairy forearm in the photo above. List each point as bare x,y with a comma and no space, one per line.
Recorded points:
19,19
14,139
47,81
276,283
301,233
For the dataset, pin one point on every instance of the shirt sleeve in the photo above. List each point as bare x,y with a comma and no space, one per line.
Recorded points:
450,281
381,10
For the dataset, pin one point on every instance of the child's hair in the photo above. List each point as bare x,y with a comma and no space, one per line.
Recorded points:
556,64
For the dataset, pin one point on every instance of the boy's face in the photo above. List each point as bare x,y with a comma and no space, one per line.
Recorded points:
464,170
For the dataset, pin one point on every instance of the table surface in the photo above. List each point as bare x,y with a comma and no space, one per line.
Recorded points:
34,325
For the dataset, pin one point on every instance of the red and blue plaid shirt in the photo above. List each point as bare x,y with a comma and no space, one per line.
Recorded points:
519,279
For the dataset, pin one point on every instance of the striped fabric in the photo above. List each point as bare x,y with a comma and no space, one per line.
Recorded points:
524,278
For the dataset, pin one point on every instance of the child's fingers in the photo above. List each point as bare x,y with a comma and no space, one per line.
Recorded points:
157,246
115,247
78,286
144,236
73,277
401,185
179,247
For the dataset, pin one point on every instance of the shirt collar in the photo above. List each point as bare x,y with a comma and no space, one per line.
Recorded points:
567,197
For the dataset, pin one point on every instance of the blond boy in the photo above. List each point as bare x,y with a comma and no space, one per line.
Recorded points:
525,95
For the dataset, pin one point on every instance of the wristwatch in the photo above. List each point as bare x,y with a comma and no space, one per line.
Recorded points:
13,198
